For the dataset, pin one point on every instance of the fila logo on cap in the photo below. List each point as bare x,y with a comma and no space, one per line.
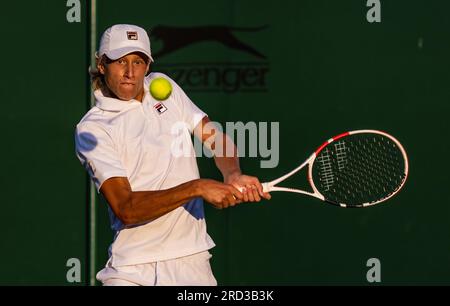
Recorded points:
160,108
132,35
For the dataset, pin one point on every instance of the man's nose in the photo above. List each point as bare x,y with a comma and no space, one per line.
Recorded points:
129,71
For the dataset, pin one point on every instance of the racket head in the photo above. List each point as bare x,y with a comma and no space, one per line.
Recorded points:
358,168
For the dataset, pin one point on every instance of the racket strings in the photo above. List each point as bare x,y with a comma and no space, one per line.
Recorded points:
358,169
327,177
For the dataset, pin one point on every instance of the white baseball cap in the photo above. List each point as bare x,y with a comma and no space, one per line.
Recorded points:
122,39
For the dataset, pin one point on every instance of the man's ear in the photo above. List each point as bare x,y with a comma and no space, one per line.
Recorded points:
101,67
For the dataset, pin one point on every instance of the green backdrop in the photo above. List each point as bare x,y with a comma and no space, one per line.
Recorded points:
325,70
43,95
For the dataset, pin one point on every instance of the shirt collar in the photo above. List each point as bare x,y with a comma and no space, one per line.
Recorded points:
112,104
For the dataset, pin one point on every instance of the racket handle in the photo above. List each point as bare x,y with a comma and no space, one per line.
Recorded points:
266,187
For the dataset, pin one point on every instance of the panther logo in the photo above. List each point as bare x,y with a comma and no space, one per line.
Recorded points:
174,38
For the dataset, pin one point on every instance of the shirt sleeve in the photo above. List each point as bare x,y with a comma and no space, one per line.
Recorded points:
97,153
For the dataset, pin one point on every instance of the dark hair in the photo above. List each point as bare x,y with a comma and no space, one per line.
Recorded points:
98,79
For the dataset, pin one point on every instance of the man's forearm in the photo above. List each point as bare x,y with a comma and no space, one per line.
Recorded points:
228,166
149,205
226,157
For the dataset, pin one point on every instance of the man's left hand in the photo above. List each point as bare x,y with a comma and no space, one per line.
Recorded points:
250,186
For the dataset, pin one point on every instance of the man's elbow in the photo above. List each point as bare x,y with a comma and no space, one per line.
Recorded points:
127,219
117,192
125,212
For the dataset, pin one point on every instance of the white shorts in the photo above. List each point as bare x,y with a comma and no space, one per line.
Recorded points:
192,270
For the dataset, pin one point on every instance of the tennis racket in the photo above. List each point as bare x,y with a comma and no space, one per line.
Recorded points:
354,169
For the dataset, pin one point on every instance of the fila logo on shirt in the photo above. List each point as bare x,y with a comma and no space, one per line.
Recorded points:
160,108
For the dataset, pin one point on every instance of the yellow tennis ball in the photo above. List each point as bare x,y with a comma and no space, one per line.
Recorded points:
160,89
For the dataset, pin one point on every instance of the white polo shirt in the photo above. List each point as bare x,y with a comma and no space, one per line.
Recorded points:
138,141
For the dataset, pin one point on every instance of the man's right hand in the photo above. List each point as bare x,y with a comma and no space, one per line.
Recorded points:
219,194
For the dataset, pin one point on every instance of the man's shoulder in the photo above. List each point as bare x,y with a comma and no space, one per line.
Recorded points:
93,118
153,75
91,115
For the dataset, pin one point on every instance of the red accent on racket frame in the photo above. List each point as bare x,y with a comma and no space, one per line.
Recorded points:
330,141
340,136
321,147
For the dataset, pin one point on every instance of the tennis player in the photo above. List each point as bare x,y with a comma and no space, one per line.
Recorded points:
155,198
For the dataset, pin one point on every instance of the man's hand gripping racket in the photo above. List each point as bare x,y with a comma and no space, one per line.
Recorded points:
354,169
